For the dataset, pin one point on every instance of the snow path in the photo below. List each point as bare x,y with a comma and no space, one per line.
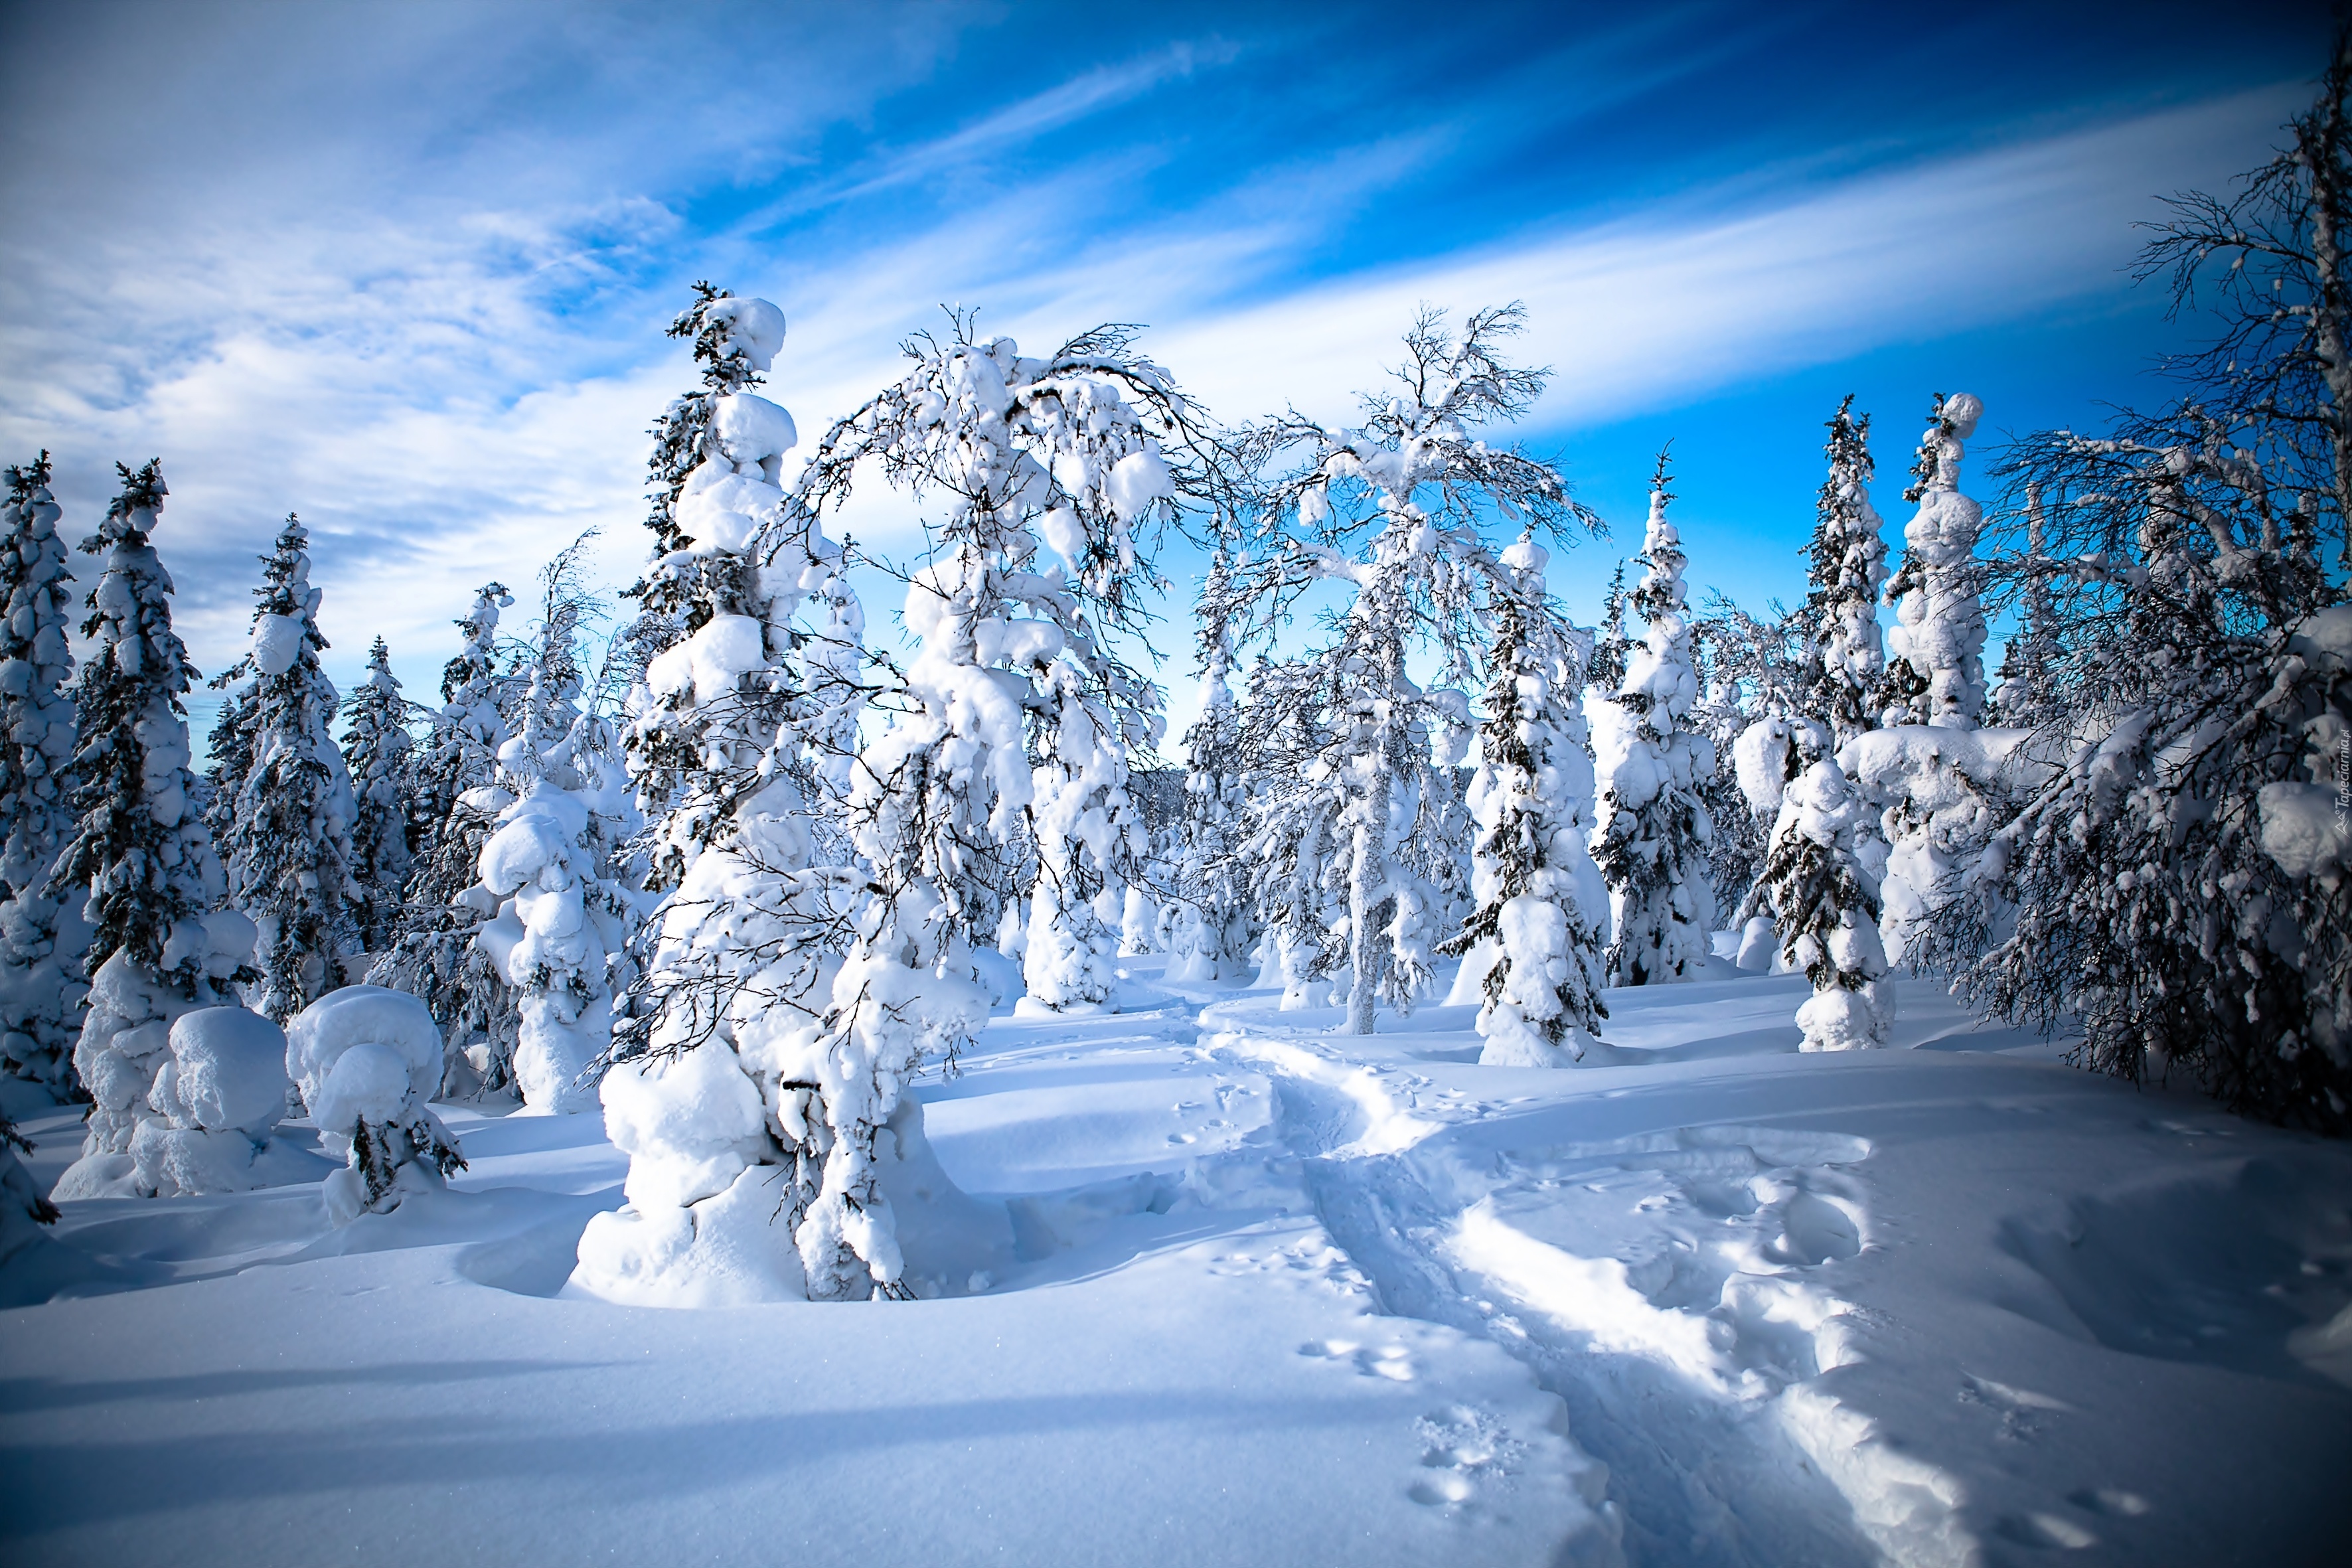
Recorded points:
1269,1294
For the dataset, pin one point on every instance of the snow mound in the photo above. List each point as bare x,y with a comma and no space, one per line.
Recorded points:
395,1051
227,1072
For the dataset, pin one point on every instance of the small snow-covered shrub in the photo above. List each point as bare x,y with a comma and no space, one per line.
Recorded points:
218,1094
368,1060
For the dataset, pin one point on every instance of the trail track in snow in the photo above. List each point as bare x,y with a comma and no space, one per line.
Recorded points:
1671,1401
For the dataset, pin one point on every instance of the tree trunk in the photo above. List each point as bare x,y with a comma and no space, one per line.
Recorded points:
1363,958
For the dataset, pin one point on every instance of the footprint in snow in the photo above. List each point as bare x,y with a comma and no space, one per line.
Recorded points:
1461,1447
1392,1361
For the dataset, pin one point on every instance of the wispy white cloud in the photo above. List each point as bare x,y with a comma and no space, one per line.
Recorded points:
449,374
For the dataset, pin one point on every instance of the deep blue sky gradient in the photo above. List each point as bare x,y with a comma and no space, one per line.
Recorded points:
405,268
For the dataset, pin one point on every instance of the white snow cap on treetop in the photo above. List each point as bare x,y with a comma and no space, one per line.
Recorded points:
1962,412
749,429
364,1052
228,1069
1527,558
754,330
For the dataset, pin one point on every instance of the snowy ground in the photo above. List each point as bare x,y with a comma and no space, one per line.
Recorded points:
1266,1294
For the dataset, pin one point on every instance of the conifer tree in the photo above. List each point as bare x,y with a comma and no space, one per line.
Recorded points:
1933,788
453,792
380,752
159,945
1536,930
548,872
289,809
1939,633
1654,829
1208,917
740,731
1824,902
1848,561
41,983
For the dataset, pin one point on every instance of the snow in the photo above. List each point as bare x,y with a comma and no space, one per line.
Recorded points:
227,1071
1208,1281
362,1052
753,329
277,642
2304,829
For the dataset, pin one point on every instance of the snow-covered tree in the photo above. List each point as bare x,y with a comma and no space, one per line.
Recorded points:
289,811
2174,875
368,1061
1288,852
1535,934
1207,915
380,751
1063,452
2174,878
1754,675
1848,562
41,935
548,872
1931,773
741,733
1397,508
1654,829
159,947
1938,638
22,1209
454,795
1824,902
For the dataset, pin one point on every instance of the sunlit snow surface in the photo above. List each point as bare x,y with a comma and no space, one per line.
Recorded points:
1272,1296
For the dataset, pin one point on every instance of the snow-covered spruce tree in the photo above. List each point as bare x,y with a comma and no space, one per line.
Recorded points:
41,936
1536,933
1397,509
1848,562
1067,452
1824,902
289,811
1931,771
734,741
379,752
1654,829
159,946
1938,637
455,798
368,1061
548,871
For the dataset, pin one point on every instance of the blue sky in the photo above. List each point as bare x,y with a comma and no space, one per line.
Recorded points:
404,268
